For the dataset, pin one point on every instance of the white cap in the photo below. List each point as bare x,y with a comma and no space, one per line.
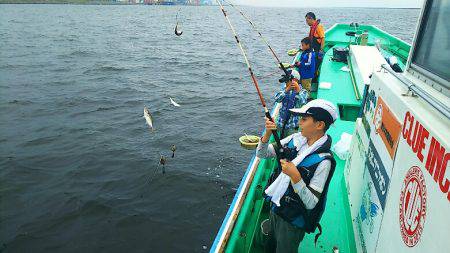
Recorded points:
295,74
320,109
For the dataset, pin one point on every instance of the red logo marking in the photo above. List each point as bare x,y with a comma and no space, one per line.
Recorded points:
413,203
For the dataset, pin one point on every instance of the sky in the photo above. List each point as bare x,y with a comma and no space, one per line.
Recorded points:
334,3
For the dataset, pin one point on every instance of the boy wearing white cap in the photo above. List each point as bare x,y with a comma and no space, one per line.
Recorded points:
298,192
291,96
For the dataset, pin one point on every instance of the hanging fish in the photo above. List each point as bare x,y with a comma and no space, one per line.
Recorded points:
178,32
173,102
148,118
162,161
173,148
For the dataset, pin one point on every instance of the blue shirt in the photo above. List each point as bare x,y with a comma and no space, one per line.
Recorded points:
307,67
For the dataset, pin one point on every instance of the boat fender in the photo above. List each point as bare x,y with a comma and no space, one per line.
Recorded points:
393,62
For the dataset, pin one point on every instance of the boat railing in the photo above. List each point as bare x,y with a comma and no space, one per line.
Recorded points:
438,105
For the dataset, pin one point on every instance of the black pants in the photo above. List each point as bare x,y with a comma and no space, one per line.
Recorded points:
283,236
317,73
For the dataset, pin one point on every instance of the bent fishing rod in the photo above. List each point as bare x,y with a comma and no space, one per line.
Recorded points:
278,61
279,151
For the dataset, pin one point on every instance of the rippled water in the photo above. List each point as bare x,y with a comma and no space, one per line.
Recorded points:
76,157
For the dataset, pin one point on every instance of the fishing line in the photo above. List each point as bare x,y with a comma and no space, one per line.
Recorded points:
279,151
277,60
152,176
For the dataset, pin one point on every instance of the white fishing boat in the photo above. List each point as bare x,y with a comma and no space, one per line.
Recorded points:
391,190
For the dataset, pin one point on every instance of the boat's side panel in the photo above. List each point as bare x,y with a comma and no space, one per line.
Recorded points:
229,232
230,217
398,176
418,200
370,172
243,236
354,174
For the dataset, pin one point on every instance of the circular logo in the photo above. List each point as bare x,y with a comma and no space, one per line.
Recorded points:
413,203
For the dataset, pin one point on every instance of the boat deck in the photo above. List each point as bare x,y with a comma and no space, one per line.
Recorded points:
337,226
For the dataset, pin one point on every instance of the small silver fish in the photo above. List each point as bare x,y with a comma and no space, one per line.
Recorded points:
173,102
148,118
178,32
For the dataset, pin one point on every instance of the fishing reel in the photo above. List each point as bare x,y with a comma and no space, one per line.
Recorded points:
285,78
282,153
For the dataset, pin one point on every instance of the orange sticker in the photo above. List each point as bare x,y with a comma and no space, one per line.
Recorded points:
387,126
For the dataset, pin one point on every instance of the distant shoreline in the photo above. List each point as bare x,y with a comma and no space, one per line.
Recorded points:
100,2
76,2
80,2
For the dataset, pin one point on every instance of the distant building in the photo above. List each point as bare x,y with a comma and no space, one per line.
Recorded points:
169,2
193,2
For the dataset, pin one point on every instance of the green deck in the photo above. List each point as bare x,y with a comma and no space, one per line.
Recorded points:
336,222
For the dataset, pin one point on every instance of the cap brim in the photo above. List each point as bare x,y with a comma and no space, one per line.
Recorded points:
301,110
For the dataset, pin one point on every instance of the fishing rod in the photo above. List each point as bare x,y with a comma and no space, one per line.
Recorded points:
279,151
287,75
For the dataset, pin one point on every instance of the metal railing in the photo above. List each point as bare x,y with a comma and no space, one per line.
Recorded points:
438,105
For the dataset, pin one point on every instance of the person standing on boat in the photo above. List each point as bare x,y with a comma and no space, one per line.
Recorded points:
291,96
298,194
306,64
317,37
316,32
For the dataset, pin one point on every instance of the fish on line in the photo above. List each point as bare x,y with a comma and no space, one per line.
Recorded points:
162,161
148,118
174,103
173,149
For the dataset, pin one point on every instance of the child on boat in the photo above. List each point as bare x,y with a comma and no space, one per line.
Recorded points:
306,64
297,192
291,96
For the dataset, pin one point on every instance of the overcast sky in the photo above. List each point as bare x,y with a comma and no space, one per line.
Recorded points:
334,3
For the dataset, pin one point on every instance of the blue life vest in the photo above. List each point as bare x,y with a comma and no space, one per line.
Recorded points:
291,207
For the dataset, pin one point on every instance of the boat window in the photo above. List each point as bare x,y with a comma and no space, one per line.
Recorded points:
432,47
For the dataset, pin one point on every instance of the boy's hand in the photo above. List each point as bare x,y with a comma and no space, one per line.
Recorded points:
290,169
295,85
269,127
288,86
